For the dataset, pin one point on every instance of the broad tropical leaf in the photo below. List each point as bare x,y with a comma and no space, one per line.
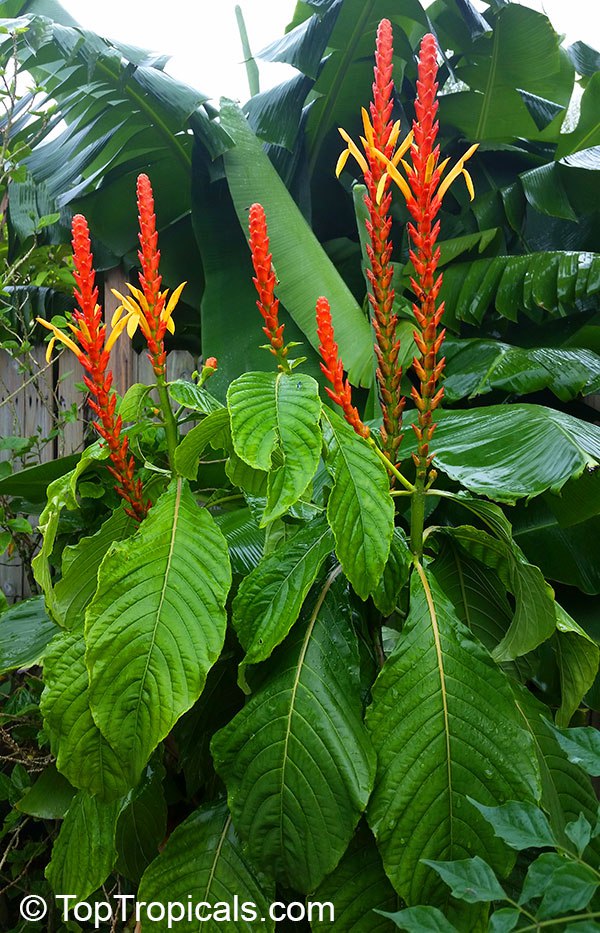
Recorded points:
25,633
213,430
395,574
360,509
534,283
156,624
509,452
277,413
475,367
444,724
80,563
205,860
251,177
297,762
270,598
82,753
357,888
80,870
534,617
142,824
578,657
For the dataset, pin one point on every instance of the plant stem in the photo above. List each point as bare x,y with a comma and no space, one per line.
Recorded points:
539,924
390,466
169,419
417,516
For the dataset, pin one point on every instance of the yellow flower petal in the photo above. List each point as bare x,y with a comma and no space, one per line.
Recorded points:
469,182
138,293
369,131
354,150
50,348
119,327
168,311
341,162
171,325
132,324
394,175
116,315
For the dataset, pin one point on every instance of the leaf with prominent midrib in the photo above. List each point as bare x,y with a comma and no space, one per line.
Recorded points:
270,598
156,624
82,753
84,852
357,888
360,509
297,761
80,564
204,860
444,725
213,430
277,411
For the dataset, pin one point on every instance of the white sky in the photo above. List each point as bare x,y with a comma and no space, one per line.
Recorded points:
203,40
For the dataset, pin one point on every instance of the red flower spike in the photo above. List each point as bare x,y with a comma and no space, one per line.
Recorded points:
92,349
381,136
264,281
333,369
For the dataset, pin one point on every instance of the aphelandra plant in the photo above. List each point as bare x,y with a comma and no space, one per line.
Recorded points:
319,693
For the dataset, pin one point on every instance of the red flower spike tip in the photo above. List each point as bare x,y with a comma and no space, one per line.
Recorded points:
92,348
264,281
381,135
148,307
333,369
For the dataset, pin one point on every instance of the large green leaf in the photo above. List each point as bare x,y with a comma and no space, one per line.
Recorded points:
444,725
81,869
508,452
475,367
277,412
213,430
357,888
80,563
534,283
566,789
565,552
270,598
156,624
25,632
303,268
82,753
578,657
534,618
521,54
297,762
204,860
141,825
360,509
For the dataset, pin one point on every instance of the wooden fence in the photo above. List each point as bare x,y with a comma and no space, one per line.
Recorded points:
29,405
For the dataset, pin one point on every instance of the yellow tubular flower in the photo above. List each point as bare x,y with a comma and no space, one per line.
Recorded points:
58,335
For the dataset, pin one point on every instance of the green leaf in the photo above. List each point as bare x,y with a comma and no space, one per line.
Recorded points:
62,493
520,824
579,832
82,753
581,746
204,860
572,887
360,509
131,405
141,825
578,658
213,430
395,574
443,722
251,177
156,624
25,633
80,563
270,598
476,367
566,789
193,396
244,539
32,482
504,920
357,888
535,615
81,869
470,879
501,451
297,762
49,798
422,920
539,875
277,412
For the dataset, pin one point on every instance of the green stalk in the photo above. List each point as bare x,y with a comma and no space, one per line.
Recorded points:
168,418
417,516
